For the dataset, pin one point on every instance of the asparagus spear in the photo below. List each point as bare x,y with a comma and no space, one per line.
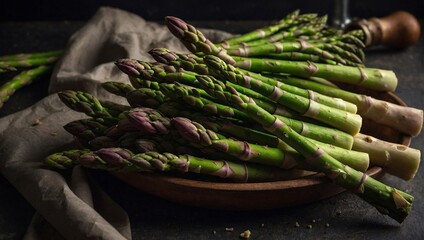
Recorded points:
117,88
345,54
196,64
6,68
194,40
298,56
280,47
284,158
119,159
91,106
345,121
290,20
294,32
407,120
396,159
25,56
169,74
192,98
372,78
145,97
24,78
86,129
30,62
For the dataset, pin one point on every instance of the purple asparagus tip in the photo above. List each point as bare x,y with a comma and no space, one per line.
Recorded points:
75,127
193,132
114,156
186,128
176,26
88,159
142,122
162,55
129,66
146,120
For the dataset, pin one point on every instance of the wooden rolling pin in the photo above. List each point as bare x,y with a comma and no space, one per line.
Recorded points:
399,29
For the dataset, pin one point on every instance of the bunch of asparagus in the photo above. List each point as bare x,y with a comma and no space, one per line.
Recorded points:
25,68
240,110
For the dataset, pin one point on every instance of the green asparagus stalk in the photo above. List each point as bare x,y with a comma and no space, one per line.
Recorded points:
118,88
83,102
372,78
6,68
25,56
168,73
246,151
123,160
251,134
359,52
91,106
308,28
194,40
396,159
324,134
387,200
146,97
290,20
30,62
307,93
150,122
193,63
407,120
345,54
298,56
356,34
354,37
24,78
191,98
189,62
86,129
342,120
279,47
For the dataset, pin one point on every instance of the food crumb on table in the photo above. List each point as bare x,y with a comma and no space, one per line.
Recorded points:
246,234
36,122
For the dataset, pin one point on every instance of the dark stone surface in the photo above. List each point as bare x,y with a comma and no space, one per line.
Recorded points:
152,218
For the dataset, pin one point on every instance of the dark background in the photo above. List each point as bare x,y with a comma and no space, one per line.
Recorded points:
80,10
27,26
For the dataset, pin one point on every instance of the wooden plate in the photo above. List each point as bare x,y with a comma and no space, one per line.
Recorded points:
253,196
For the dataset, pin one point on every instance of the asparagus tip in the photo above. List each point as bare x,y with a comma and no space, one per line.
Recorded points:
162,55
176,26
129,66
